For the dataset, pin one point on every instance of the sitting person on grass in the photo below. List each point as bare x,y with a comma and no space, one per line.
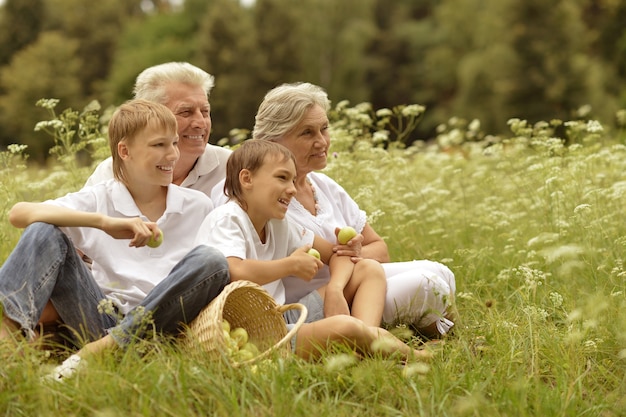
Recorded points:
420,293
262,246
44,281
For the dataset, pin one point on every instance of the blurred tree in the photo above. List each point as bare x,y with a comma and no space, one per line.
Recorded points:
606,20
276,25
227,49
555,75
145,42
48,68
395,57
333,37
518,58
21,22
97,26
195,12
472,66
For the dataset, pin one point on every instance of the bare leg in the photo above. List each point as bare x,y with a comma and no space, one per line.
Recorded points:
315,338
8,329
97,346
49,315
365,292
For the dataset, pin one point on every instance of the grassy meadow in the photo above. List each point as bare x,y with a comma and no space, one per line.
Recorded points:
531,224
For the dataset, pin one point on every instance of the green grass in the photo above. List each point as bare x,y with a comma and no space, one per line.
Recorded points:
534,232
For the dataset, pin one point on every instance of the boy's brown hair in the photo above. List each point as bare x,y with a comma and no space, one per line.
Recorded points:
250,155
129,120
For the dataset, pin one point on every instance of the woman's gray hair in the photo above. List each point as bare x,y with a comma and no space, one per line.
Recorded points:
284,107
152,82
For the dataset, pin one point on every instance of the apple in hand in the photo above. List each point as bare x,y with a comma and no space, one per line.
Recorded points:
155,243
345,234
314,253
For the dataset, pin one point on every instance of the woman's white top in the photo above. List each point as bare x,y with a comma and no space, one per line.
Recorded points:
335,209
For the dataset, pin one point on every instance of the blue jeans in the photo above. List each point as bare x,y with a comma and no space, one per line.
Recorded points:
44,266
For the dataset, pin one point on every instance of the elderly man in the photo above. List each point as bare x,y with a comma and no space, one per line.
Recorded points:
184,89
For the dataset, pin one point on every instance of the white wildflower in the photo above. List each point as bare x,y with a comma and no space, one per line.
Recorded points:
336,363
54,124
593,126
582,208
556,298
15,148
384,113
474,125
417,368
413,110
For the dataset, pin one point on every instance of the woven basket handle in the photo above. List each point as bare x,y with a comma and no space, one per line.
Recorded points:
290,334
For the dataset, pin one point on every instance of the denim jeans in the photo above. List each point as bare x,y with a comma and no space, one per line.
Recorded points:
44,266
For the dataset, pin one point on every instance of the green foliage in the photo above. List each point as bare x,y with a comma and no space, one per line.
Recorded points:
528,221
143,43
21,21
77,138
234,60
489,60
381,127
526,213
96,26
47,68
13,180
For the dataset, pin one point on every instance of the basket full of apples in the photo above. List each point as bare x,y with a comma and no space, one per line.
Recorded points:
243,324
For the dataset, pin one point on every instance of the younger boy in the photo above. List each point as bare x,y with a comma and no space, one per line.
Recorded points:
262,246
44,280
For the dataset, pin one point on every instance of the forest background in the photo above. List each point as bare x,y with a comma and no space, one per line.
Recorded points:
489,60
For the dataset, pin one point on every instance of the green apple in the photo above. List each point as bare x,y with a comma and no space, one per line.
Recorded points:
226,326
239,335
155,243
243,355
251,347
314,253
345,234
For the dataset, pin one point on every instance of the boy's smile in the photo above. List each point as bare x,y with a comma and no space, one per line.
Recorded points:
154,153
272,188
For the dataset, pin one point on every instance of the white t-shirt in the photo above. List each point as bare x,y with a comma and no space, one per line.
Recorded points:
217,194
336,209
125,274
208,171
229,229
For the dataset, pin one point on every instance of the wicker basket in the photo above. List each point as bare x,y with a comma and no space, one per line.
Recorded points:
247,305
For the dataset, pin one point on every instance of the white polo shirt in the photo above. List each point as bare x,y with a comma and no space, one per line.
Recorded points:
127,274
229,229
208,171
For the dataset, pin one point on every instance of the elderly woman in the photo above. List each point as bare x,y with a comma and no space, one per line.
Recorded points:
419,293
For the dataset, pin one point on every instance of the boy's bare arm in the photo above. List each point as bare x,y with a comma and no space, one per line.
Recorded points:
24,214
299,264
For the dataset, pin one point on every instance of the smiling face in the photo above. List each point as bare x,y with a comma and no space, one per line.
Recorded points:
191,107
150,156
269,189
309,141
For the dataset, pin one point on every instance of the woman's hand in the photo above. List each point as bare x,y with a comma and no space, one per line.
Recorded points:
351,249
365,245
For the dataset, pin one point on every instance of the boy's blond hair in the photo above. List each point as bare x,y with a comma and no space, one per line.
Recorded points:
129,120
251,155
